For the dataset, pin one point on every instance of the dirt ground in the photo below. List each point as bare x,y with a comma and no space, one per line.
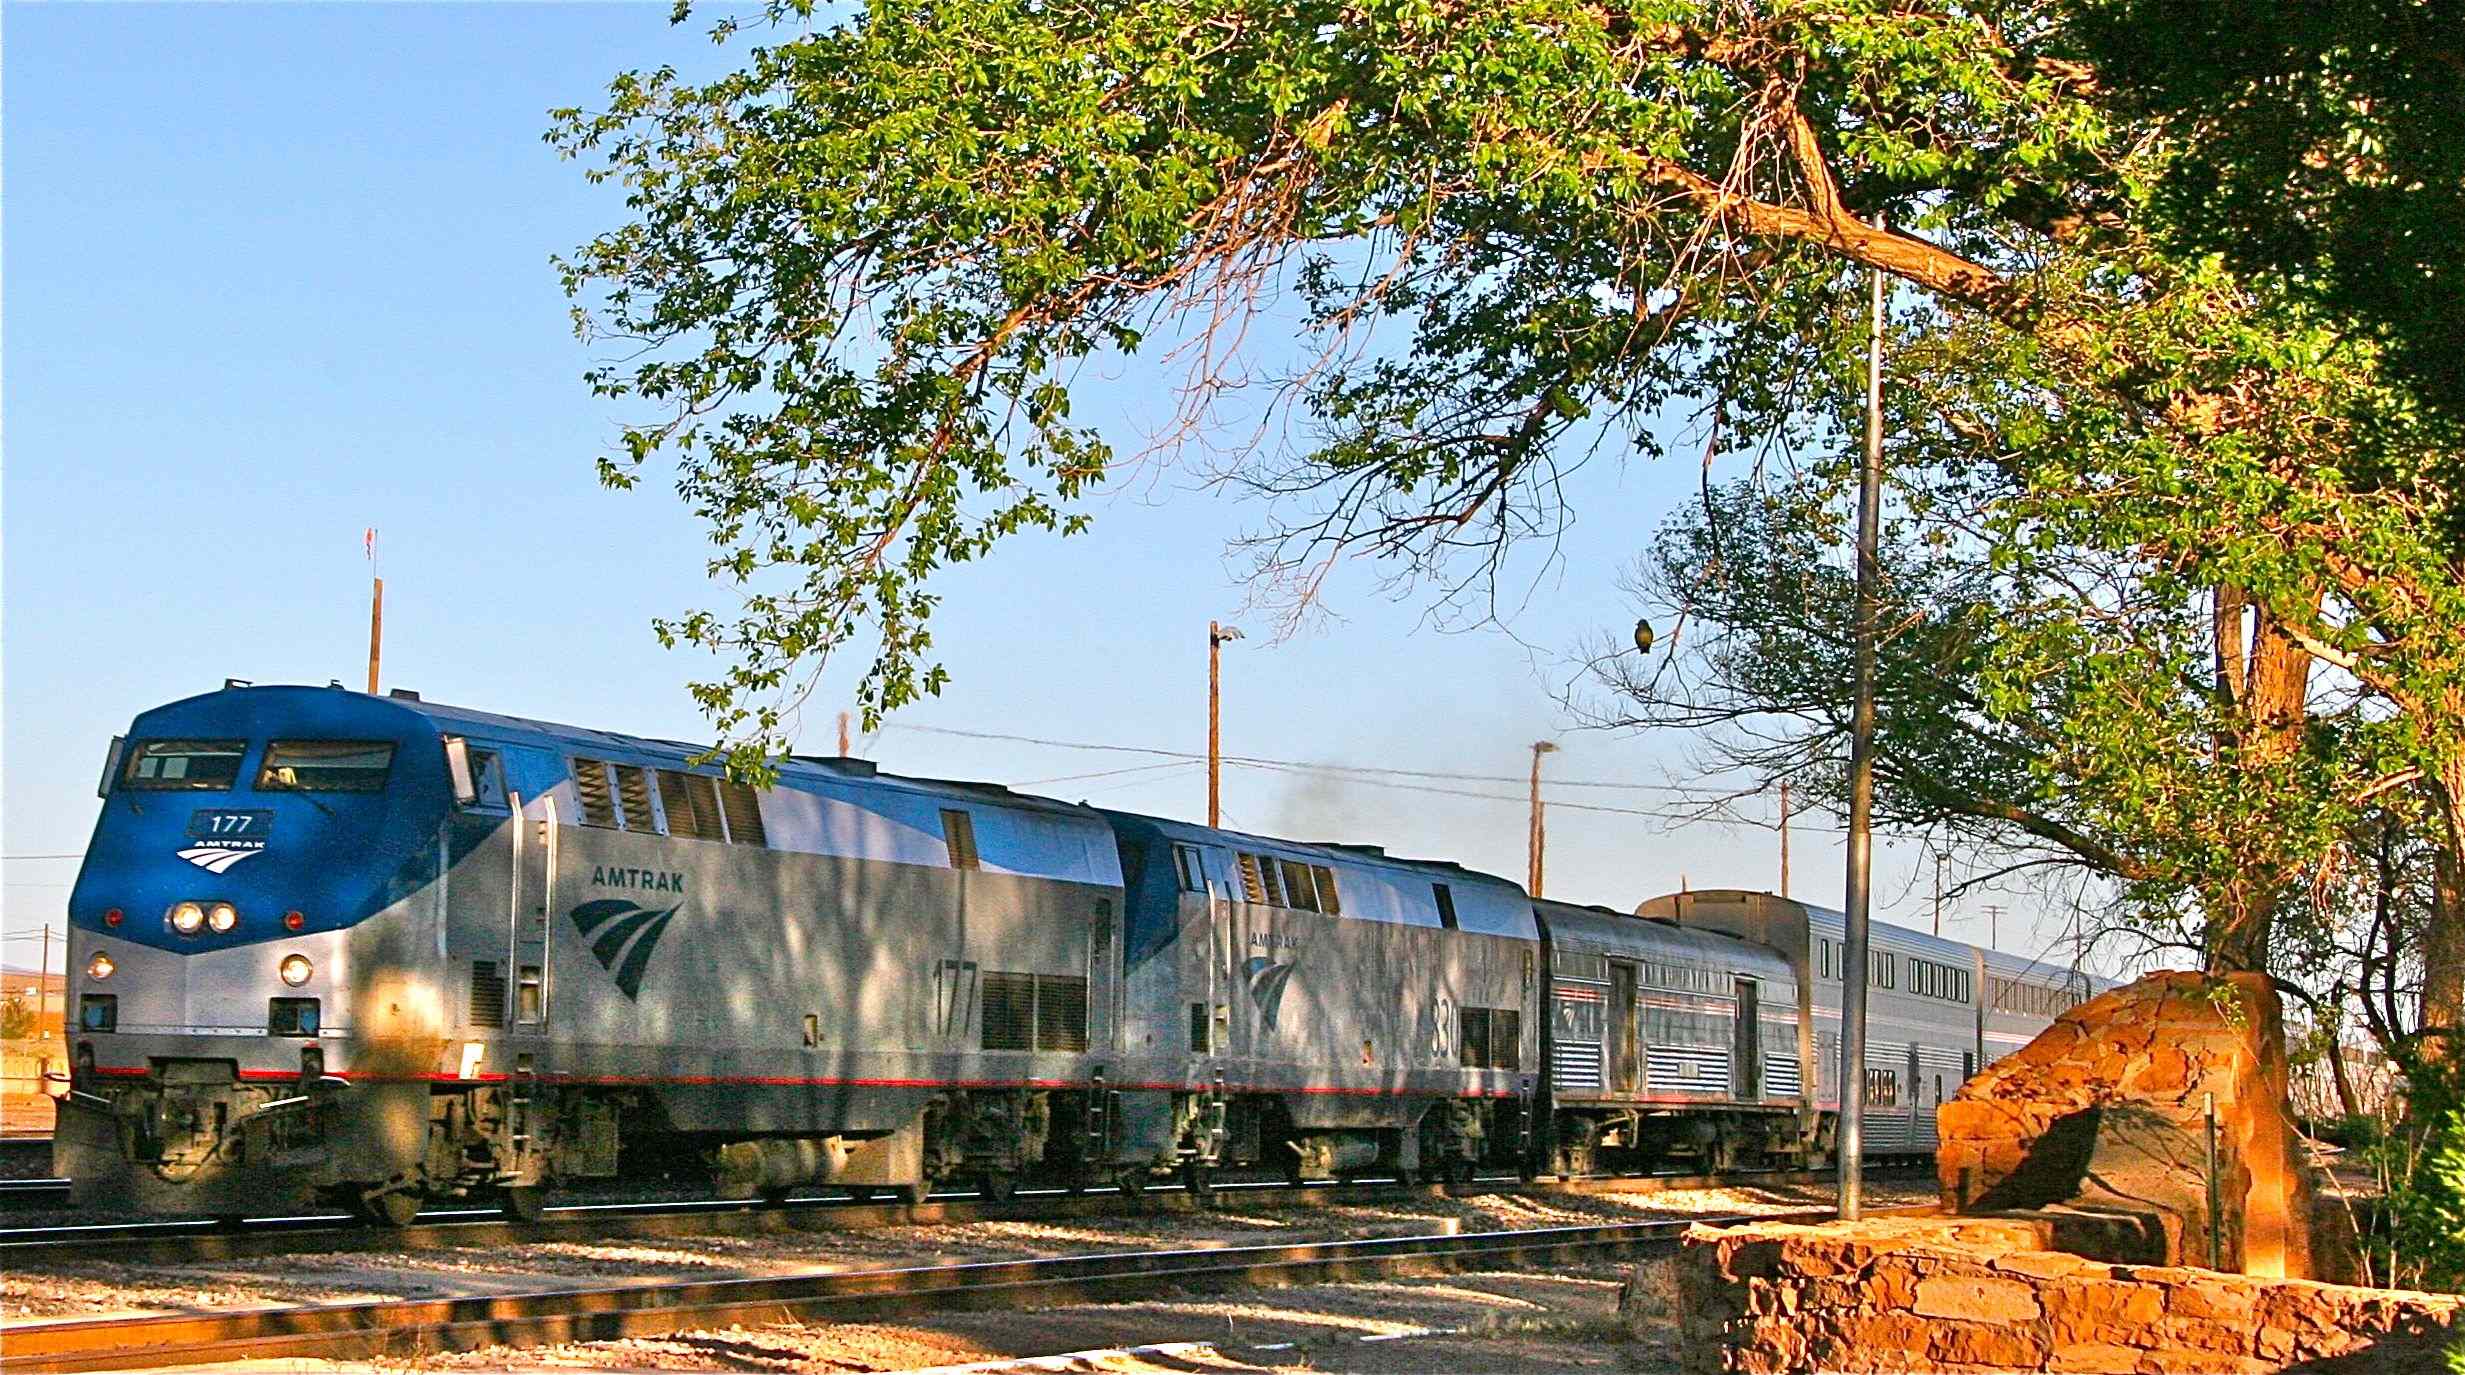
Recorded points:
94,1286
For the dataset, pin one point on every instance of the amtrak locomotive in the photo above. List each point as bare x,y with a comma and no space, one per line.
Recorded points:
333,948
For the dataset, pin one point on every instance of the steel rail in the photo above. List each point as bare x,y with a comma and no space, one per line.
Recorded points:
414,1327
173,1242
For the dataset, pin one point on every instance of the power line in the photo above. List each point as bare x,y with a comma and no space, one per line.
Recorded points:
1679,788
1103,773
1483,797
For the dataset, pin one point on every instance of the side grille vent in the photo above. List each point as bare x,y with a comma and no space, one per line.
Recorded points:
590,784
692,805
1009,1011
633,794
1035,1012
1061,1012
744,813
487,994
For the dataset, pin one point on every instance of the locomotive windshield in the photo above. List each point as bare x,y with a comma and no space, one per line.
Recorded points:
326,766
173,765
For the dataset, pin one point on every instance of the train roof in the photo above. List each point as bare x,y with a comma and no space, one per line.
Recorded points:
569,740
1832,923
1624,933
1484,903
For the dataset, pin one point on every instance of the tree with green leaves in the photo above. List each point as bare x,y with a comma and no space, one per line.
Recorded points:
2318,147
863,275
2043,710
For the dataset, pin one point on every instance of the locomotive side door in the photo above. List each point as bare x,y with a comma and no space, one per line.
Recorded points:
530,922
1622,1019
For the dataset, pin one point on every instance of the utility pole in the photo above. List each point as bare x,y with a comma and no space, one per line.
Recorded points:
1994,926
1940,860
843,735
1538,837
376,611
1784,837
42,989
1216,636
1861,773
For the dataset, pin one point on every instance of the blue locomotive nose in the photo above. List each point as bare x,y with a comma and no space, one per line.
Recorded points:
257,813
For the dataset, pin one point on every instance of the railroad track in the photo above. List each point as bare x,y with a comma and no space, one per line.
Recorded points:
410,1328
173,1242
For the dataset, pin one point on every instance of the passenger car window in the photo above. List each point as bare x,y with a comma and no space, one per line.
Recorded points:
326,766
168,765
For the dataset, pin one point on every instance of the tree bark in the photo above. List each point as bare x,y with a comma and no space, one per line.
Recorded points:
2443,939
2264,682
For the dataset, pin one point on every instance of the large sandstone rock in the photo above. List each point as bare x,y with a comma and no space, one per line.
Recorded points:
1991,1294
2104,1116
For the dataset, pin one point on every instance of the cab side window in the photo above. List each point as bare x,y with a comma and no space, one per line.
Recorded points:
1188,867
487,779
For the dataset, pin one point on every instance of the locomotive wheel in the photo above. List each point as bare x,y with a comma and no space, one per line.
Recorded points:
1199,1180
394,1209
1460,1172
998,1186
524,1203
775,1198
909,1195
1133,1182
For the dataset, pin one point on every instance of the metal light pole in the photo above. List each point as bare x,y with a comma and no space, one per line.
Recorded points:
1784,837
1537,839
1216,636
1861,774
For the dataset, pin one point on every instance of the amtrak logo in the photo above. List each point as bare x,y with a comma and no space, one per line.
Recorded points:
1267,981
626,937
215,859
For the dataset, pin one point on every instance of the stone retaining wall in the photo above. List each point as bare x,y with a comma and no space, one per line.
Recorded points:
1989,1294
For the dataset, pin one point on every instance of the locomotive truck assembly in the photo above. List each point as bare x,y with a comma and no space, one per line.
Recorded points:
335,948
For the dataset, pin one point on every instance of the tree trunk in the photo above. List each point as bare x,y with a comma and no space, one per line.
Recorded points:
2443,939
2264,681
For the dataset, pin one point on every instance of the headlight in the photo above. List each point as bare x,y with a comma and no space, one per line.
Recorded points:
187,918
100,966
295,969
222,916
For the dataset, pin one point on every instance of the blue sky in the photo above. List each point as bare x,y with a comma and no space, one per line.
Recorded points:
274,274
